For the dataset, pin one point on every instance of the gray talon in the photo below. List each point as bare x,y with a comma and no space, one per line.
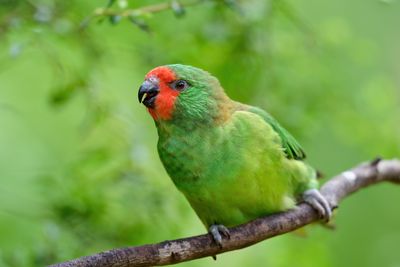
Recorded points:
224,231
216,230
319,203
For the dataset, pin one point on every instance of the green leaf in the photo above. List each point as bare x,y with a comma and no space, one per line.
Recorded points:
140,23
114,19
110,3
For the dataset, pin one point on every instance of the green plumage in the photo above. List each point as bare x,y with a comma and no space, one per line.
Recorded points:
232,162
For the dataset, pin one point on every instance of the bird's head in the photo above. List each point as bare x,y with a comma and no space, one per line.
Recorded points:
176,92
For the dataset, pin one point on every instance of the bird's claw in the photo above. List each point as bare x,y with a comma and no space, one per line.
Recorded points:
217,231
319,203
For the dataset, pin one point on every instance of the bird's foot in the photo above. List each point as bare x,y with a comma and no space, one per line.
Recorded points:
319,203
217,231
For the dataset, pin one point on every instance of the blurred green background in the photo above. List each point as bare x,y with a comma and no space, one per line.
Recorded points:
79,171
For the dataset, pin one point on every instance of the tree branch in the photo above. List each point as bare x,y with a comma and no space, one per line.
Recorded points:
116,15
180,250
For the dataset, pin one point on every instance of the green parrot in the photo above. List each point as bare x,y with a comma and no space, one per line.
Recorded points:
233,162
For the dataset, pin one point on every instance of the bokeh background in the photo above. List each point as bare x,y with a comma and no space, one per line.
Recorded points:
79,171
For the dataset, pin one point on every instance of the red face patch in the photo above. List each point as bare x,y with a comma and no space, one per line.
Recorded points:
165,100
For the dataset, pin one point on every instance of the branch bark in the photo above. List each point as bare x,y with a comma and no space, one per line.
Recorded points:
180,250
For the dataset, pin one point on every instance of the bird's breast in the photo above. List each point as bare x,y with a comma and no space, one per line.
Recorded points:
196,158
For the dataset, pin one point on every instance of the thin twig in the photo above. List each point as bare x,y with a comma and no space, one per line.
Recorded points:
146,10
171,252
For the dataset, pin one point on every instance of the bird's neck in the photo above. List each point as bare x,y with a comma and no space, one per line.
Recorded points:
211,114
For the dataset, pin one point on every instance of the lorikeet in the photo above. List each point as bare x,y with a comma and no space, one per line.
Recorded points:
233,162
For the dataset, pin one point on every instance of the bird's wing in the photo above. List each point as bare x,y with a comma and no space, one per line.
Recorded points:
292,148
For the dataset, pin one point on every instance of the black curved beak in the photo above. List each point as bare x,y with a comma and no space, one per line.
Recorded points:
147,93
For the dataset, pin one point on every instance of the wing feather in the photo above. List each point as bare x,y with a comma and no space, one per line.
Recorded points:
293,149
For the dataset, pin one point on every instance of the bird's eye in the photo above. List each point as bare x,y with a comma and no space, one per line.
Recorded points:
180,85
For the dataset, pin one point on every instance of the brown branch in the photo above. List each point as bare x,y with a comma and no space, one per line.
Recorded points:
180,250
142,11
